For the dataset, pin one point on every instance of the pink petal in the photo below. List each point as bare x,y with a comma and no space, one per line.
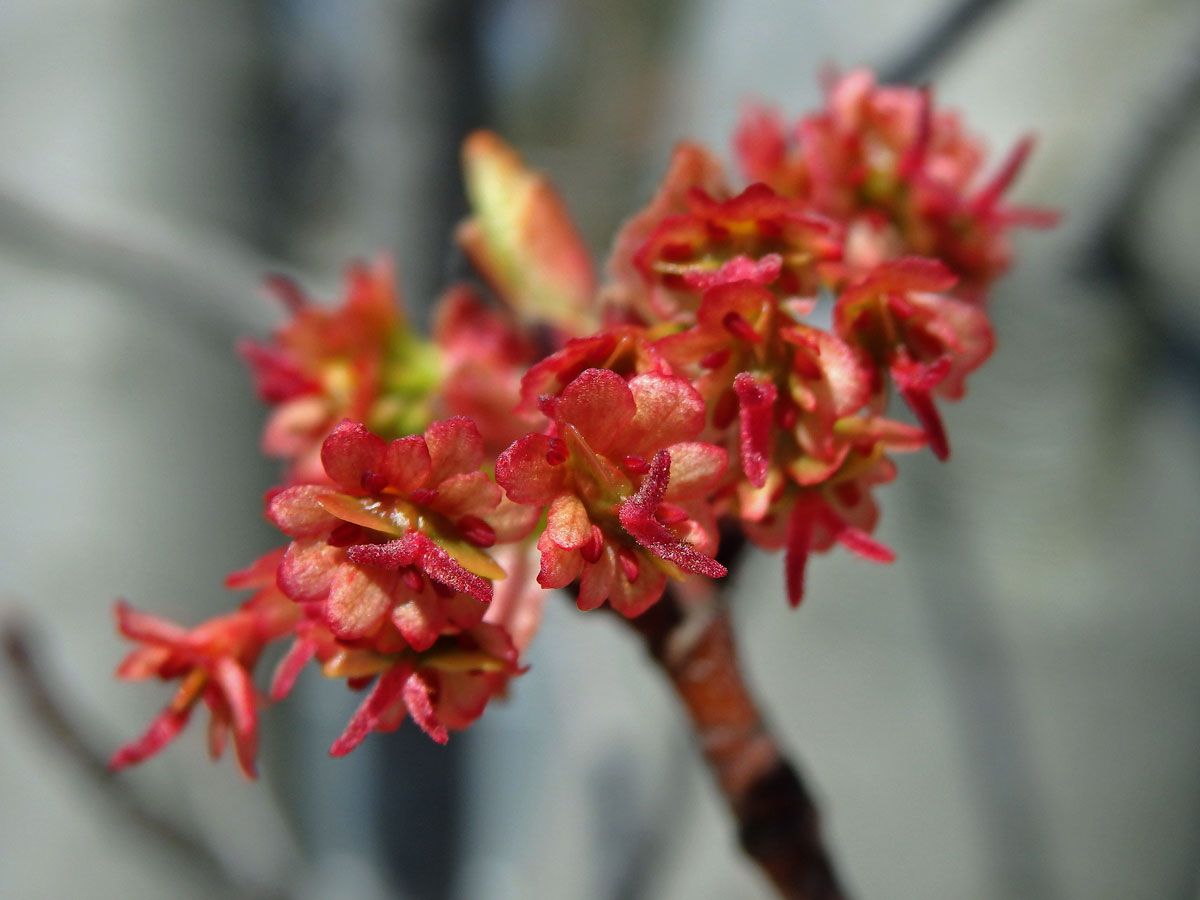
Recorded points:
567,522
164,729
421,620
290,666
297,511
407,464
600,406
669,410
525,473
238,692
418,699
559,567
350,453
455,446
259,573
387,689
472,492
358,600
631,599
696,470
307,569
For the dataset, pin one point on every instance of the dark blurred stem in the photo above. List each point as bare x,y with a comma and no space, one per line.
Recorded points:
939,41
59,730
778,822
1111,254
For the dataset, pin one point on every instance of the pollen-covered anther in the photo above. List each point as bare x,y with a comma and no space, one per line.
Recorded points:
345,534
476,531
635,465
629,564
670,514
373,482
736,324
556,453
725,410
717,358
411,576
592,550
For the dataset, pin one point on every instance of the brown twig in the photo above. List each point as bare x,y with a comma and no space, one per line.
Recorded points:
30,678
778,823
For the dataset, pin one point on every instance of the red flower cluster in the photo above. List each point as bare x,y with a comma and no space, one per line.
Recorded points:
623,425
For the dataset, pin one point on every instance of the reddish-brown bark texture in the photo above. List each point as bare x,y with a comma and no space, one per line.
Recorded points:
778,823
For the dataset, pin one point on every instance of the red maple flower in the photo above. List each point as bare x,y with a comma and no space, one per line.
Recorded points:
400,535
617,472
884,155
808,507
757,223
213,662
903,325
326,364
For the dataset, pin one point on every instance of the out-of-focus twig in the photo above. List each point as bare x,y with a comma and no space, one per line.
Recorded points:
1110,252
208,284
939,41
778,822
60,729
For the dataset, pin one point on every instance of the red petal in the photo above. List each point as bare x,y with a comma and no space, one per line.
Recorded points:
407,464
567,522
290,666
600,405
164,729
358,599
455,446
525,473
350,452
144,627
696,470
421,620
307,569
418,699
669,410
238,692
387,689
297,512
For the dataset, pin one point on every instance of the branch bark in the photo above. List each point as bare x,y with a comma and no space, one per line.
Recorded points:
778,822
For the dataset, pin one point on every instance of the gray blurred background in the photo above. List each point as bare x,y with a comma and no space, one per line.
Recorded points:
1010,711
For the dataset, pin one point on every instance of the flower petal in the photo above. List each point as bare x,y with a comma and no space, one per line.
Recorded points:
527,475
669,410
696,470
358,600
600,406
407,464
455,446
297,510
350,452
418,697
567,522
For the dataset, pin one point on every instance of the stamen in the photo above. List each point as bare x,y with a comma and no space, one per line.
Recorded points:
556,453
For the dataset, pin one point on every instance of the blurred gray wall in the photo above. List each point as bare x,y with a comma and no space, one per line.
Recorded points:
1011,710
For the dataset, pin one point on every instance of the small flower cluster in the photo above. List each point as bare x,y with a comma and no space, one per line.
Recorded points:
602,435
